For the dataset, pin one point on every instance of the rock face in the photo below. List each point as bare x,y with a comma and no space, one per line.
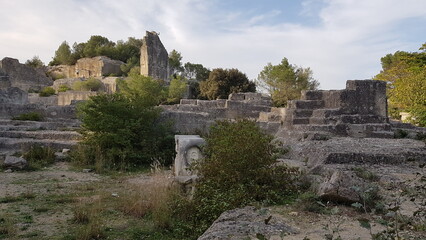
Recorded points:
154,57
88,67
15,74
248,223
13,95
334,165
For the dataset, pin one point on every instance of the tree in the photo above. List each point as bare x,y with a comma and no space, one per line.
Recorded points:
285,81
222,82
175,62
34,62
176,90
99,46
405,74
62,55
143,87
122,133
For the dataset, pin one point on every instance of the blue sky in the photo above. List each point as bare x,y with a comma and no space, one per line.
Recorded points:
337,39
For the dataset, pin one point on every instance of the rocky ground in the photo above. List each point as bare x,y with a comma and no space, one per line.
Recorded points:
42,205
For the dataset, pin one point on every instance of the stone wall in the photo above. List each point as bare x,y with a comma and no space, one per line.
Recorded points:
15,74
154,57
193,116
34,98
66,98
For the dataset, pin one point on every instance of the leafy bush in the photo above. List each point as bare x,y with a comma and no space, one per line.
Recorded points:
91,84
122,133
239,169
176,90
32,116
63,88
222,82
46,92
39,157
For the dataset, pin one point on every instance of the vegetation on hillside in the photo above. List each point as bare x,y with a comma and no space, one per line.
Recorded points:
122,130
405,73
285,81
222,82
126,51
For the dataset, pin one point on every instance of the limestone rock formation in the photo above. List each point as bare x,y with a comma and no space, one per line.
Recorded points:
88,67
154,57
248,223
15,74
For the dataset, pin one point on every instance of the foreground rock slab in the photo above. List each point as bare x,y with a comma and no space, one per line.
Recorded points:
248,223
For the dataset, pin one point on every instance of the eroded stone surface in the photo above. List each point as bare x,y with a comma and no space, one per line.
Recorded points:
15,74
248,223
154,57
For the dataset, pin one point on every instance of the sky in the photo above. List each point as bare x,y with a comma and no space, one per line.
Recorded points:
338,40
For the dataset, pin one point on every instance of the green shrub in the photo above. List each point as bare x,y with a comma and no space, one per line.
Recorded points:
121,133
91,84
63,88
46,92
239,169
32,116
39,157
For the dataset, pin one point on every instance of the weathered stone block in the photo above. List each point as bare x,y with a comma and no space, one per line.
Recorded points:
13,95
188,152
65,98
188,101
22,76
154,57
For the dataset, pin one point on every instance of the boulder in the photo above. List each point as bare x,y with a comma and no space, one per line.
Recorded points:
15,162
248,223
23,76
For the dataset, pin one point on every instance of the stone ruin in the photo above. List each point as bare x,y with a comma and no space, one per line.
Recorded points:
360,110
188,152
87,67
154,57
195,116
15,74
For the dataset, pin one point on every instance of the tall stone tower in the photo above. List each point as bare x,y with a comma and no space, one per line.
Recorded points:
154,57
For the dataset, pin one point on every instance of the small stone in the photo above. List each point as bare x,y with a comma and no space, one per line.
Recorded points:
65,150
8,170
293,214
114,195
15,162
87,170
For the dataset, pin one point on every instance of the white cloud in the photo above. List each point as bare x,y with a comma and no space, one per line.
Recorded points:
347,42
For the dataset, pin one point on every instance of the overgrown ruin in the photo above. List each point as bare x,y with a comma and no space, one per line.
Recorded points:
154,57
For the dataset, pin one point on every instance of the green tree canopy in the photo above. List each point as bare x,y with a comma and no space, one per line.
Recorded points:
34,62
285,81
175,62
405,74
62,55
222,82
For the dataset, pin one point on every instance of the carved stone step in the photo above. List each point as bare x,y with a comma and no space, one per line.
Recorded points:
306,104
311,95
52,135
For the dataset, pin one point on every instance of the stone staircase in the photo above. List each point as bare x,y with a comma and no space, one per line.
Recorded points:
19,136
349,112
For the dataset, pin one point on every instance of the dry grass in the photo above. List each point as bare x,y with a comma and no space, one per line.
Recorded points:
151,198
